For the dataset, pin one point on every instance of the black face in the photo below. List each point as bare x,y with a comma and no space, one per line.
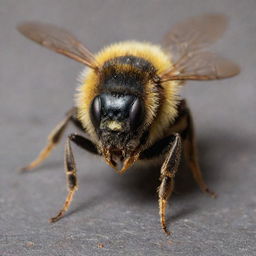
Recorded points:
117,113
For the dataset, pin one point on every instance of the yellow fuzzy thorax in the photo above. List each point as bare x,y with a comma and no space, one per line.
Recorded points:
152,53
160,60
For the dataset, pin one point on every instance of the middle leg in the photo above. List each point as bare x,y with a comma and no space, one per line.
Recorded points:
55,137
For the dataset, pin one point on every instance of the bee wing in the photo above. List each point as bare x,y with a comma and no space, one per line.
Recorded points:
201,66
194,34
58,40
185,42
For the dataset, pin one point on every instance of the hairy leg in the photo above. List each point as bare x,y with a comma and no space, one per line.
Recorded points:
168,171
190,153
170,147
70,168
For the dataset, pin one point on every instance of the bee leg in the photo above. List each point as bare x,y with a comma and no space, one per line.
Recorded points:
168,171
54,138
70,168
84,143
190,153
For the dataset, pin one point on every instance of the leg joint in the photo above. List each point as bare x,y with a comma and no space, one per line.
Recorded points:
72,180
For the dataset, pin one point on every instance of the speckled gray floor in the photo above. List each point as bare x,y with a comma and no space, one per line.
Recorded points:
121,212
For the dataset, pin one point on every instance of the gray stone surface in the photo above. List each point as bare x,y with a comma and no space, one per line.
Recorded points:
121,212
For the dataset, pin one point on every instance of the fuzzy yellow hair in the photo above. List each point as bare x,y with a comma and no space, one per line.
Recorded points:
160,120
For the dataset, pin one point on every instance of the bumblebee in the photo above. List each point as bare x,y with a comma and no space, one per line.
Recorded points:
128,101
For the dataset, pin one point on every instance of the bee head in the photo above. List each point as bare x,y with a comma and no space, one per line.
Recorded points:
116,113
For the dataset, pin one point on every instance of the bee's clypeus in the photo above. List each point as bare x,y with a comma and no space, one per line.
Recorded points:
128,100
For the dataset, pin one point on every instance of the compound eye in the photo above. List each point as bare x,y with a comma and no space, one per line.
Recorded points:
136,114
95,111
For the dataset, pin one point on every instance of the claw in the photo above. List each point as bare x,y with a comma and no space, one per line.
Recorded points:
210,193
166,230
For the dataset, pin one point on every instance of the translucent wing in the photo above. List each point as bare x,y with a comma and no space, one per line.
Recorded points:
185,40
58,40
201,66
194,34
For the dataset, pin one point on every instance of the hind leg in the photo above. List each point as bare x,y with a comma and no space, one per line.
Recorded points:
190,153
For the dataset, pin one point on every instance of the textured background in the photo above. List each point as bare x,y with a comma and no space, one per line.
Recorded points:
121,212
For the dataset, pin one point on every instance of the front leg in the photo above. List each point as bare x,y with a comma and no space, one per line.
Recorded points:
168,171
170,147
70,168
